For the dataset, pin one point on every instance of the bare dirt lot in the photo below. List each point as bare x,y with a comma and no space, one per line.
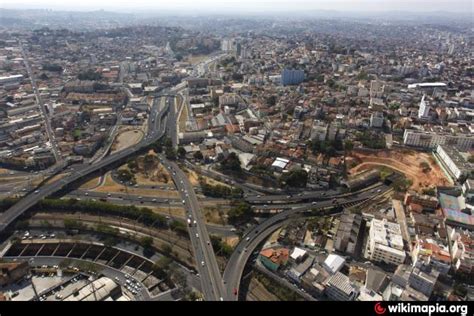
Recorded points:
419,167
126,139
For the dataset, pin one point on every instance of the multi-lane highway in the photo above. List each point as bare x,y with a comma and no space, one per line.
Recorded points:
7,217
211,280
254,237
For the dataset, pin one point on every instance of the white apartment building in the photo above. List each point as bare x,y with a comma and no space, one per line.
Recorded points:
431,139
453,162
385,242
424,109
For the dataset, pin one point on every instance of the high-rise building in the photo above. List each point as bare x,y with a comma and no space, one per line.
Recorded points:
292,77
424,110
376,119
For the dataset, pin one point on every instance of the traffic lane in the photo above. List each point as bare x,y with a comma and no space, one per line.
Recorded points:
259,233
244,251
204,244
21,206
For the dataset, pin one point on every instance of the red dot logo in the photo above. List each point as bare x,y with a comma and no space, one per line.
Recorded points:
379,309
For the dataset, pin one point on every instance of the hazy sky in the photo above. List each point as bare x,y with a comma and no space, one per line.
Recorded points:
247,5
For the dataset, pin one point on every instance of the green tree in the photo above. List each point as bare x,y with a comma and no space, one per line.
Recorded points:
170,153
240,213
295,178
146,242
181,152
198,155
231,163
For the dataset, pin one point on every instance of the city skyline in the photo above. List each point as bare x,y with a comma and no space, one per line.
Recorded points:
247,6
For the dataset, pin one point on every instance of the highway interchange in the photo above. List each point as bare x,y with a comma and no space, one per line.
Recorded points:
214,286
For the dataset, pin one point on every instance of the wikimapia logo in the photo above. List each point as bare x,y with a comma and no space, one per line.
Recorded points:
434,308
379,309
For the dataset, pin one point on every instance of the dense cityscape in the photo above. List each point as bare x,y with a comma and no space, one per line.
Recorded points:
236,158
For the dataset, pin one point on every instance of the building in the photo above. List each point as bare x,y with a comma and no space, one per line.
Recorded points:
333,263
280,163
423,281
298,254
453,162
340,288
98,290
319,130
424,109
429,253
272,259
385,242
468,189
348,234
296,272
376,119
463,141
11,79
376,89
292,77
11,272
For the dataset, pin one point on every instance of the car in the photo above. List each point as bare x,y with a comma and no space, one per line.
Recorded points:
197,235
233,230
247,239
313,203
52,235
140,197
195,223
184,202
37,191
86,194
208,242
154,200
378,191
202,263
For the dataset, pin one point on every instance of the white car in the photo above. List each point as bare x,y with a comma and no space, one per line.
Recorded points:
202,263
197,235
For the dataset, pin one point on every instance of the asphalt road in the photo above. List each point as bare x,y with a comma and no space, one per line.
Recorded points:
211,281
7,217
49,132
255,236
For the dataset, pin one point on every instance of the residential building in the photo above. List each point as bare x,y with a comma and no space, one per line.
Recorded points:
453,162
423,281
376,119
272,259
340,288
385,242
349,232
333,263
424,109
292,77
464,140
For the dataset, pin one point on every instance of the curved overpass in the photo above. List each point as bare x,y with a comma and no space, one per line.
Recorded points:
243,251
158,131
